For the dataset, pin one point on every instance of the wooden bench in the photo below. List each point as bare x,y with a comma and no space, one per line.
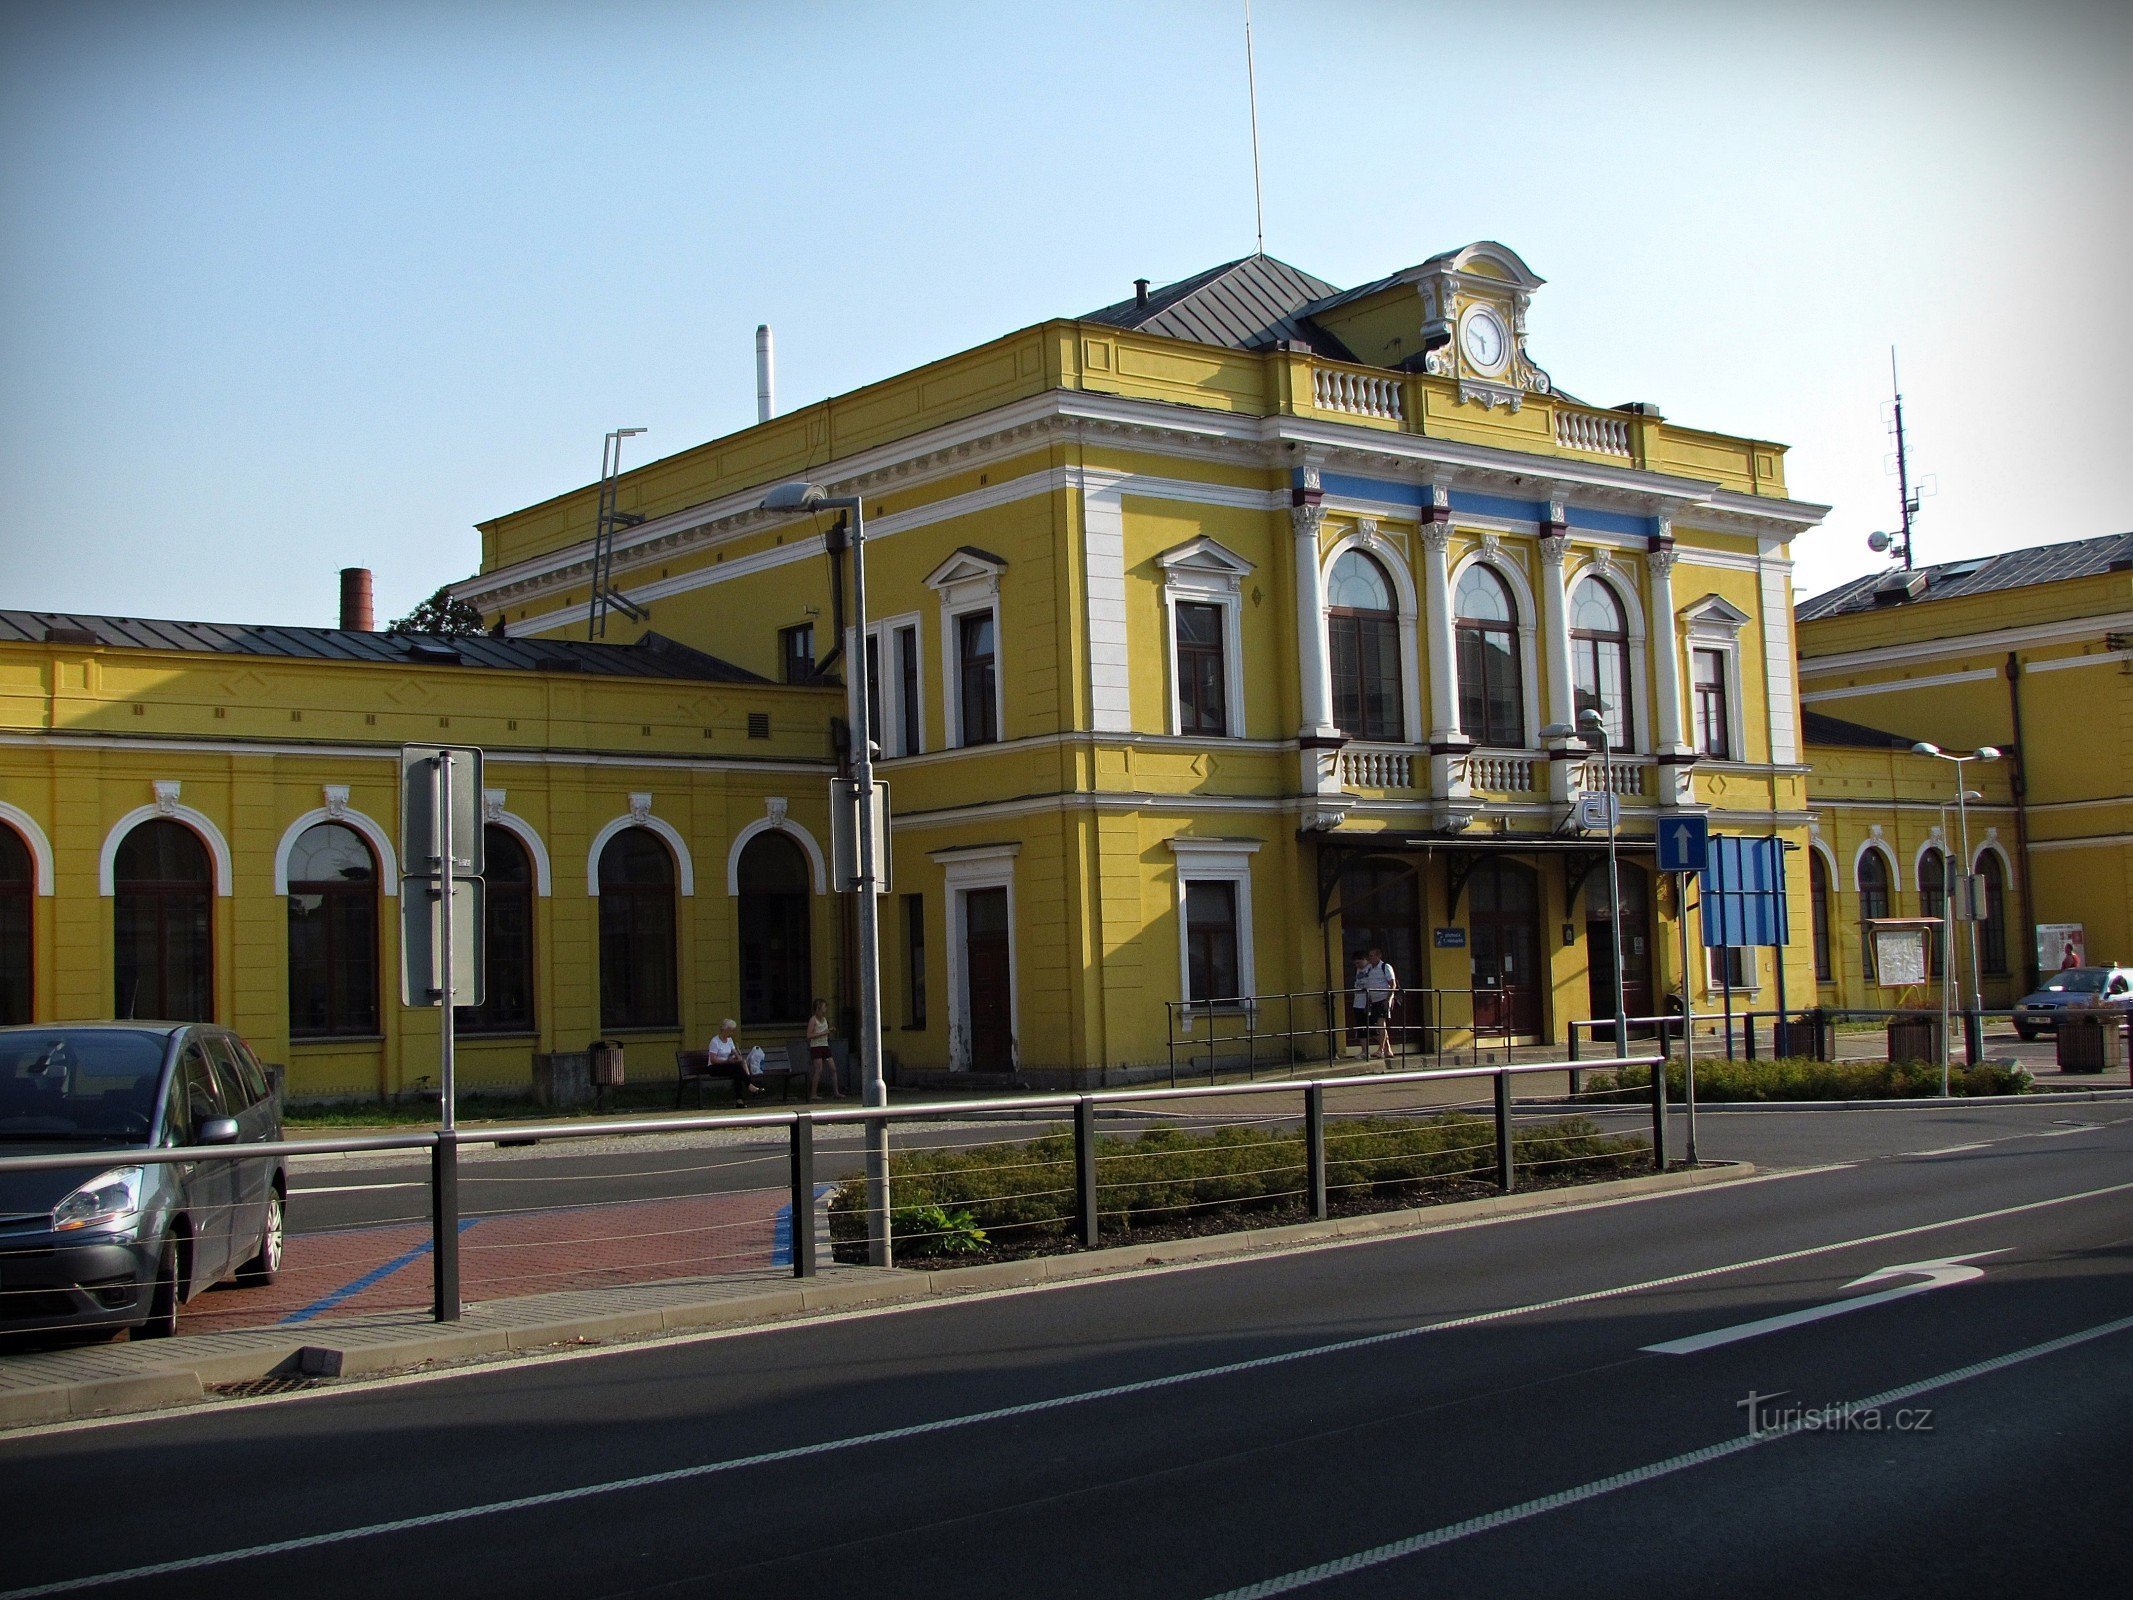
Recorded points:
694,1066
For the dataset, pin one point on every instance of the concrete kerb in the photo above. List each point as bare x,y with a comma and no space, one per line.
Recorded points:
2057,1097
69,1385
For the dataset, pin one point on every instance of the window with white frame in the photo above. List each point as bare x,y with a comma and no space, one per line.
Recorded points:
1214,907
1729,966
968,583
1202,608
1363,649
1713,636
894,670
1599,657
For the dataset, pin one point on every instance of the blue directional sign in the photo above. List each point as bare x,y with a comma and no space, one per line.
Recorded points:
1744,893
1683,843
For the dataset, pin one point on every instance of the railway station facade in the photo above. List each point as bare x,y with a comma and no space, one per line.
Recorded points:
1213,636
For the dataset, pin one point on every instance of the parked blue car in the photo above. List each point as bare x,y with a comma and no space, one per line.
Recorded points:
110,1245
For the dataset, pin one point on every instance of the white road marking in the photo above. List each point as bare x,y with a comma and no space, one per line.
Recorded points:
1954,1149
350,1188
1028,1408
1379,1555
1937,1274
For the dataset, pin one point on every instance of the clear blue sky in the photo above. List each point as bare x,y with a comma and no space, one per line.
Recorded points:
286,288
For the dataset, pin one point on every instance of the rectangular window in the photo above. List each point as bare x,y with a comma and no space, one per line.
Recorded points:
1211,940
907,691
872,690
1732,964
1491,697
977,706
796,652
1202,681
914,961
1714,734
1366,676
1992,932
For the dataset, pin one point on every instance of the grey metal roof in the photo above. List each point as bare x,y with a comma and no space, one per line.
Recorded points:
1246,304
1816,728
653,656
1948,580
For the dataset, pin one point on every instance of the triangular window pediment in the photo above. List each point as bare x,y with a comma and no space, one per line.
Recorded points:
967,565
1204,559
1714,614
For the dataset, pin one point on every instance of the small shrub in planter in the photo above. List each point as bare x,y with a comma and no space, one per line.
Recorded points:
1795,1079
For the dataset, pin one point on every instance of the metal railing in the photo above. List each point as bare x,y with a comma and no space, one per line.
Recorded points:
1208,1035
443,1147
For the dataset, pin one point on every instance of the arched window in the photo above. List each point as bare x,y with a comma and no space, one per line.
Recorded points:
1992,931
1599,655
163,887
774,935
1818,904
1933,902
507,940
1873,899
18,891
1492,708
1363,640
333,934
637,922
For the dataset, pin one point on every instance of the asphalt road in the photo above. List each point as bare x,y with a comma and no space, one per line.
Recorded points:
1473,1411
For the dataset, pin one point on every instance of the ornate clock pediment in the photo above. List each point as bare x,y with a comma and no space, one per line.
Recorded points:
1471,328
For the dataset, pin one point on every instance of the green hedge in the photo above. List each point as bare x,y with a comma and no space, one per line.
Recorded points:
1791,1079
1016,1195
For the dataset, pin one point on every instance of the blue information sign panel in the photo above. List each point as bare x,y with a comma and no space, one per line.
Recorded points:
1744,893
1682,843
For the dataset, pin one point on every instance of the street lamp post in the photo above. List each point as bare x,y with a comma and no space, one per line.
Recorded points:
1592,727
874,1091
1973,1023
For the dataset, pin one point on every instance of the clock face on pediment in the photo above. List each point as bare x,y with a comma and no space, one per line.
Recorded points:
1484,340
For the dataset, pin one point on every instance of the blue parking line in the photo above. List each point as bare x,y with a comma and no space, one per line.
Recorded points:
781,1235
348,1291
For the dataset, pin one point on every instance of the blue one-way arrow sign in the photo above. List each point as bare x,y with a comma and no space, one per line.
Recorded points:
1683,843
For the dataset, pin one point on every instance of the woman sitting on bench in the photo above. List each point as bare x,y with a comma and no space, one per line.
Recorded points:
725,1056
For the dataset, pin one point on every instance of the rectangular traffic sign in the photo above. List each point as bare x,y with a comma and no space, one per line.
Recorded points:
419,811
1684,842
1743,885
422,933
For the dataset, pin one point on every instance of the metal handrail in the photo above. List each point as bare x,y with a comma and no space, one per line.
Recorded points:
443,1144
1336,1012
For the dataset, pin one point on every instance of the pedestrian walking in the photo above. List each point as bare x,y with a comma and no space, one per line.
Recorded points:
1358,1007
821,1060
1381,986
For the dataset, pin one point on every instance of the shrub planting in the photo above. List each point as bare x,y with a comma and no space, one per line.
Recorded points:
1018,1197
1793,1079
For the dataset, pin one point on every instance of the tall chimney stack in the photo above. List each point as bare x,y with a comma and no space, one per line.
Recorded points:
356,612
766,376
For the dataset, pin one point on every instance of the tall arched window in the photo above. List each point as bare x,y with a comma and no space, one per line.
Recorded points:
1933,902
507,942
1492,707
1873,900
333,934
1599,656
1992,931
637,922
1818,904
1363,639
774,937
18,891
163,888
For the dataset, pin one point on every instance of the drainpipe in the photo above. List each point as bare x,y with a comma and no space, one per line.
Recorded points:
2018,781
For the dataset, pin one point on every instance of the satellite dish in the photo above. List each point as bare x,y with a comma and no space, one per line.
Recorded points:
1877,542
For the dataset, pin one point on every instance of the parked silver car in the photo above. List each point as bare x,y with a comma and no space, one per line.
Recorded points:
108,1245
2075,987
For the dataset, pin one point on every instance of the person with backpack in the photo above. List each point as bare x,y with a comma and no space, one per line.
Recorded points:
1381,987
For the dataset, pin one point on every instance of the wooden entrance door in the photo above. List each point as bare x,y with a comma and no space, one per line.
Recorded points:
989,1020
1503,928
1638,997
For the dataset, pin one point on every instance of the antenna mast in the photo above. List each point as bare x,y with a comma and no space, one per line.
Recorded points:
610,519
1251,81
1903,464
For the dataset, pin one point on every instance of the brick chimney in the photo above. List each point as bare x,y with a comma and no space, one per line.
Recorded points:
356,612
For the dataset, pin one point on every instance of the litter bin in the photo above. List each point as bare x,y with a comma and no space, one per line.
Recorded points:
2091,1041
1810,1036
1915,1036
606,1064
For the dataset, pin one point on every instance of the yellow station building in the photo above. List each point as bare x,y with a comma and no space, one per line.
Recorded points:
1215,635
2030,653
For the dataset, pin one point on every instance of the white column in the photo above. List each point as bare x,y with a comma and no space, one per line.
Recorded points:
1555,623
1312,666
1675,758
1563,761
1437,617
1666,652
